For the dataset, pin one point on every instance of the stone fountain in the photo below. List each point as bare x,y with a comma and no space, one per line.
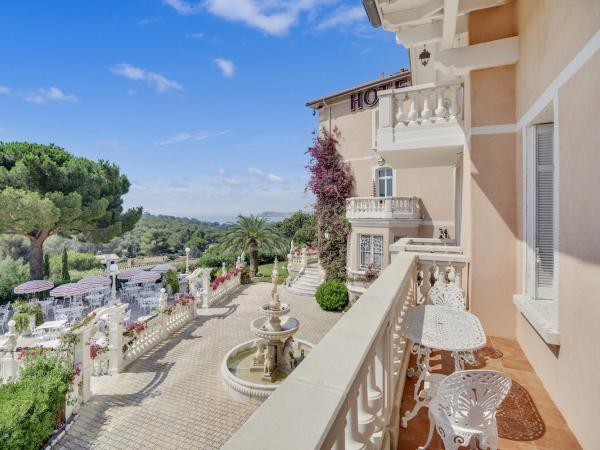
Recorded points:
254,369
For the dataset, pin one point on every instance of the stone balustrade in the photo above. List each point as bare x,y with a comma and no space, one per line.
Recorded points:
10,364
423,116
408,208
355,375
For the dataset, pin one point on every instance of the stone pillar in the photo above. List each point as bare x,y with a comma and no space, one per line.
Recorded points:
82,360
206,289
162,304
115,346
9,366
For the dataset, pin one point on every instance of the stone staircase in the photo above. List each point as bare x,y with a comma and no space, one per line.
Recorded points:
307,283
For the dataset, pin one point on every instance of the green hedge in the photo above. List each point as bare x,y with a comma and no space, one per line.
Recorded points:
332,295
32,405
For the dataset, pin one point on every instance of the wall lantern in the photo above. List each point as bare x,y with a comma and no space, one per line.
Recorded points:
424,56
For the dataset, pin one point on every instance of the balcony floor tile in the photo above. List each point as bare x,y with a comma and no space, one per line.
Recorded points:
527,419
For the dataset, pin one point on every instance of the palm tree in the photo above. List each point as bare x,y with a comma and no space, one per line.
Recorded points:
250,233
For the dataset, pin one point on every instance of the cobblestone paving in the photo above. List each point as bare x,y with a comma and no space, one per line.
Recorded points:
172,397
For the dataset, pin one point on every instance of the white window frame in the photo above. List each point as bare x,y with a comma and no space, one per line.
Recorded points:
530,213
372,253
376,178
542,314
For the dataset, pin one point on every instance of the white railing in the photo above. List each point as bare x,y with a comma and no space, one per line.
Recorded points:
355,375
439,102
423,116
156,330
215,296
383,208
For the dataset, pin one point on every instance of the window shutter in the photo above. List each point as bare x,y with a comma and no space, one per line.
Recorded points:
544,211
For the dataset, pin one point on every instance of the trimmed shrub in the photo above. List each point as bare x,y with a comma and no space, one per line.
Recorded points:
213,259
32,406
170,281
332,295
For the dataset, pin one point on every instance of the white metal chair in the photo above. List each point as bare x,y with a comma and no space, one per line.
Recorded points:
61,313
446,294
463,412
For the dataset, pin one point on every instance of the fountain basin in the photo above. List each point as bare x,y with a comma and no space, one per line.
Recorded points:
243,382
289,326
282,311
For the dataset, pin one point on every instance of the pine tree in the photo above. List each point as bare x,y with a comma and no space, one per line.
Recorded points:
65,266
46,266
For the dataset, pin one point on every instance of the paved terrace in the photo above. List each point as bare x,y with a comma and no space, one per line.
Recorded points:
528,419
172,397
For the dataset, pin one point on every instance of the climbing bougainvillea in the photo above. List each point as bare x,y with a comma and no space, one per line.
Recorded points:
331,182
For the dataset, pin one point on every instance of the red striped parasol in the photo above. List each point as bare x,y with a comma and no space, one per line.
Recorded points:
33,286
96,280
69,290
128,273
145,276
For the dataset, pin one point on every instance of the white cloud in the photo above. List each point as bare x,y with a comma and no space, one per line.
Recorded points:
227,67
149,20
274,178
4,90
182,7
51,94
274,17
130,92
159,82
232,181
187,137
221,171
265,176
343,17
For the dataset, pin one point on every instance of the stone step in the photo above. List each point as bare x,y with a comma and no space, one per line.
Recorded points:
309,278
304,284
301,291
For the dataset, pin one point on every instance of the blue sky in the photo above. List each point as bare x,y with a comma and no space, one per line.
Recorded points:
201,104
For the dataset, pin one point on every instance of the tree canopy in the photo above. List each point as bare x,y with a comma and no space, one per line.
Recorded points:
251,233
45,190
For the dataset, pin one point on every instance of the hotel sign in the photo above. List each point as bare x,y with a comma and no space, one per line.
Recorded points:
369,97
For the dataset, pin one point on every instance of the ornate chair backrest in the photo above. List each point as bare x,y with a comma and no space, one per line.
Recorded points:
470,398
446,294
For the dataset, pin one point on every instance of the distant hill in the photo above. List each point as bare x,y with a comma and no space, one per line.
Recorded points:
275,216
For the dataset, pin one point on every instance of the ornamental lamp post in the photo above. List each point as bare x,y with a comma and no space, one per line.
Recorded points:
187,260
113,270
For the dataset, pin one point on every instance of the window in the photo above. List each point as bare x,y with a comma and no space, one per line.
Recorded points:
371,251
385,181
539,302
544,212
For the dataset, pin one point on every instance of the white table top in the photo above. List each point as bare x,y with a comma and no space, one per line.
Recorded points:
52,324
443,328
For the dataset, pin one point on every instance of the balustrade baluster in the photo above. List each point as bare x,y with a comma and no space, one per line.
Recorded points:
441,111
400,109
413,115
426,112
454,106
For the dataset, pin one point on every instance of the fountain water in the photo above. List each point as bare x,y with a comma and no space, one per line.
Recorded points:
252,370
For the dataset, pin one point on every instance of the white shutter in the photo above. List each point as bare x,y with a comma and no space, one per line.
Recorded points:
544,211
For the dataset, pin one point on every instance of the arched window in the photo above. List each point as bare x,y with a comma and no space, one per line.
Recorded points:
385,182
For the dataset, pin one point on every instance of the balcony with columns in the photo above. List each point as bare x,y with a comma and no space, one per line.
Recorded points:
404,209
356,385
420,125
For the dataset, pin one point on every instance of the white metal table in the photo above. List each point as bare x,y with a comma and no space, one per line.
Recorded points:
52,325
443,328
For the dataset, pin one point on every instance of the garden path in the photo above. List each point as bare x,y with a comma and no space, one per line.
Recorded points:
172,397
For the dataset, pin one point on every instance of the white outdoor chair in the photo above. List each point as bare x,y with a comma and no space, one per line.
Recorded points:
446,294
464,410
61,313
147,303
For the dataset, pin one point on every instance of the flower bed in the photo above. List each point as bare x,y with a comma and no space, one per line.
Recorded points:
220,279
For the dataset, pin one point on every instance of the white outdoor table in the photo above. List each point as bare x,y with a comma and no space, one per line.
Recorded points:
444,328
